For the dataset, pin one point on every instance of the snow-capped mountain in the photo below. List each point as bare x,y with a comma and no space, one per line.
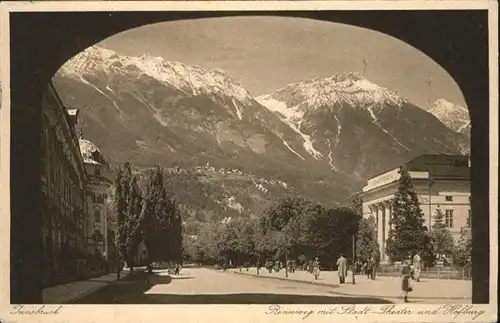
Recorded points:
358,126
147,110
346,88
323,137
194,80
454,116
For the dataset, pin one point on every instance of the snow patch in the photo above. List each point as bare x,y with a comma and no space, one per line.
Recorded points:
330,160
238,112
374,117
394,138
339,127
293,151
290,116
463,127
98,90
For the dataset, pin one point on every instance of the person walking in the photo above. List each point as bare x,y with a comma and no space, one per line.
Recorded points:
342,268
367,269
373,268
316,268
406,281
417,266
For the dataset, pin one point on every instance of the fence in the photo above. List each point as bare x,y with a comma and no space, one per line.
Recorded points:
438,272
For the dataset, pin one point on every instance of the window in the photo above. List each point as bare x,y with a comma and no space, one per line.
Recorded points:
99,199
449,198
448,218
97,215
97,236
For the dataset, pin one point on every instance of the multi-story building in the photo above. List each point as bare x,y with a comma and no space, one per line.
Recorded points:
99,227
63,191
441,182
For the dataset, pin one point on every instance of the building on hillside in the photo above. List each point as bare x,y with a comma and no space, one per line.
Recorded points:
441,181
63,191
100,224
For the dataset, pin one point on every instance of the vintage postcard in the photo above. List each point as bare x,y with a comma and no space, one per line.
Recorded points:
288,161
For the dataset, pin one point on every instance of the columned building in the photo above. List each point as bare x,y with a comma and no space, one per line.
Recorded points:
441,182
100,223
63,181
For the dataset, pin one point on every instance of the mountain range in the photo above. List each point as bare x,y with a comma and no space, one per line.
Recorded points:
322,137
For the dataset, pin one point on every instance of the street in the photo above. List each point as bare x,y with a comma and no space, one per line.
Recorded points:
208,286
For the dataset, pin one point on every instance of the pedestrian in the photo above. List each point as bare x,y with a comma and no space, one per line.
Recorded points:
269,266
417,266
406,281
316,268
367,269
373,268
342,268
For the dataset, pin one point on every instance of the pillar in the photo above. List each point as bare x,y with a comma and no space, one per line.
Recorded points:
380,229
384,231
388,210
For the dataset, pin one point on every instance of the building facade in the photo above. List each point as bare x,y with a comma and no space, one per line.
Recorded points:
63,192
441,182
100,224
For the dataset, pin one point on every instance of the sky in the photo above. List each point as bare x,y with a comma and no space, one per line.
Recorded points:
265,54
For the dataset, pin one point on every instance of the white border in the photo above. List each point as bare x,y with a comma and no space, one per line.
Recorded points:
230,313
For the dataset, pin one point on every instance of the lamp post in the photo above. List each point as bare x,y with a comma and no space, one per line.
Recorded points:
353,259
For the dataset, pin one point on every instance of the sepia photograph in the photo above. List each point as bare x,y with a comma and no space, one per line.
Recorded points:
275,158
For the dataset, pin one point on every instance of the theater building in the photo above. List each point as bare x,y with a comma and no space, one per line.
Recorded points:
441,181
63,182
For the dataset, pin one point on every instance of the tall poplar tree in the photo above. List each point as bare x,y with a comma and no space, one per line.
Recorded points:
162,223
127,210
407,235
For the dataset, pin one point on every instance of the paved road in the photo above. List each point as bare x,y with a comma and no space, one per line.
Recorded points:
207,286
426,291
199,285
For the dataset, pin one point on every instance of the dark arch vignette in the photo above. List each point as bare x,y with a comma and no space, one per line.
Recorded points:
41,42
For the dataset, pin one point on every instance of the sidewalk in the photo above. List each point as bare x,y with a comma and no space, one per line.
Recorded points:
67,293
427,290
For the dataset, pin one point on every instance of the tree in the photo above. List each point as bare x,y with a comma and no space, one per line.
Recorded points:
205,247
330,233
463,249
407,235
366,240
128,213
161,221
441,236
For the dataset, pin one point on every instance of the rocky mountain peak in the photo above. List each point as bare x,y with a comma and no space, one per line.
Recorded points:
188,78
454,116
345,88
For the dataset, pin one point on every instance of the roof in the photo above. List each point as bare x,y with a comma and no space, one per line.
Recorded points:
91,154
438,165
